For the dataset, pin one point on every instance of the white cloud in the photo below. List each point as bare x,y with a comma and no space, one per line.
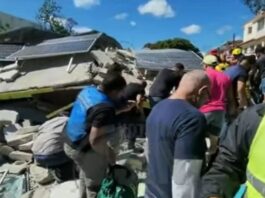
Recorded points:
82,29
121,16
224,29
158,8
133,23
191,29
238,38
86,3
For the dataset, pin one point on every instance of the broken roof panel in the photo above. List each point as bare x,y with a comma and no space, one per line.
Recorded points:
49,73
56,47
8,49
167,58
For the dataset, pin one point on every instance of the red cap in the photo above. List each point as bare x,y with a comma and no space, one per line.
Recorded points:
214,52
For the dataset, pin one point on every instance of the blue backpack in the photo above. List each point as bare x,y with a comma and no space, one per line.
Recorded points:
89,97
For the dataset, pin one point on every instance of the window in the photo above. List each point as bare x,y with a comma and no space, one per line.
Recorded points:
249,30
260,24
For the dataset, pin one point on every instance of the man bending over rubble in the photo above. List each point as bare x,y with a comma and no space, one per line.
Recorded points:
176,140
91,123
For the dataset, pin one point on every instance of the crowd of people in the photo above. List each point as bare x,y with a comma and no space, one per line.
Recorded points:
217,103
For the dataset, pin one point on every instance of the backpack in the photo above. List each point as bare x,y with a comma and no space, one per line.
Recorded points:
120,182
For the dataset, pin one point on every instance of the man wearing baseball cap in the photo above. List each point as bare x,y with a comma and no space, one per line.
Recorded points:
215,109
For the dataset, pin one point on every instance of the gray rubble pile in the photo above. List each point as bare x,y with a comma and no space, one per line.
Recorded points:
18,137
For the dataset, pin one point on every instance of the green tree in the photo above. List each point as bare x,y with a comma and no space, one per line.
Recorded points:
48,9
255,5
49,16
176,43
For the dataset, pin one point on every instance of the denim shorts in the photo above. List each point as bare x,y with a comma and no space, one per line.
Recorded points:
262,85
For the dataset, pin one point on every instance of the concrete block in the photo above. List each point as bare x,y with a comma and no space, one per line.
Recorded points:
20,156
8,116
12,128
41,175
26,123
102,58
68,189
26,147
9,76
20,139
17,167
5,150
30,129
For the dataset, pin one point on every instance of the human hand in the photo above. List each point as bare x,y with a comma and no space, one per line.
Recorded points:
129,106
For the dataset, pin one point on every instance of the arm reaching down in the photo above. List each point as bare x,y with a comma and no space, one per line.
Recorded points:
242,95
98,142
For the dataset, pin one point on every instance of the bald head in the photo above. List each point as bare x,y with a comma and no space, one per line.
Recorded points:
193,81
194,87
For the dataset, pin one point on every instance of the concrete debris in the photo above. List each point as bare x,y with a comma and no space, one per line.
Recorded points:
26,146
20,139
5,150
135,162
17,167
41,175
9,67
30,129
41,192
26,123
9,76
8,116
20,156
66,190
11,128
102,58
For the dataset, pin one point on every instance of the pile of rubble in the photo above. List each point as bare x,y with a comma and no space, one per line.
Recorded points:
19,172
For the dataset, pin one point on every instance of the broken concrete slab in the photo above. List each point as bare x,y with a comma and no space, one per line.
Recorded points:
97,79
17,167
102,58
9,76
5,150
26,146
20,156
30,129
20,139
40,192
41,175
68,189
8,116
12,128
26,123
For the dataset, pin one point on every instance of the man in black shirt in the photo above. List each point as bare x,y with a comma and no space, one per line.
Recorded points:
260,53
89,129
165,81
135,118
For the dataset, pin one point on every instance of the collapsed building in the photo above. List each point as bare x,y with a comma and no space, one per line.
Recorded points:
41,80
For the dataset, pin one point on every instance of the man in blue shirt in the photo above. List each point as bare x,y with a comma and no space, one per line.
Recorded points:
239,76
176,140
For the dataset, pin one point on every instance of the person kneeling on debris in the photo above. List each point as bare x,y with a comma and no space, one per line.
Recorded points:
48,150
89,129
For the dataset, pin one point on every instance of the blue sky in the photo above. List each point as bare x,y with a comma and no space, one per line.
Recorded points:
207,23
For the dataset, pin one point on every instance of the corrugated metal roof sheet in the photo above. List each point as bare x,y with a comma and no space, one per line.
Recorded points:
167,58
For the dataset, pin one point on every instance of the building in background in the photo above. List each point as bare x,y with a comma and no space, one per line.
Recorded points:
254,33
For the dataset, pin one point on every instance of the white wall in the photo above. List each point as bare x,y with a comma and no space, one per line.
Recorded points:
255,33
